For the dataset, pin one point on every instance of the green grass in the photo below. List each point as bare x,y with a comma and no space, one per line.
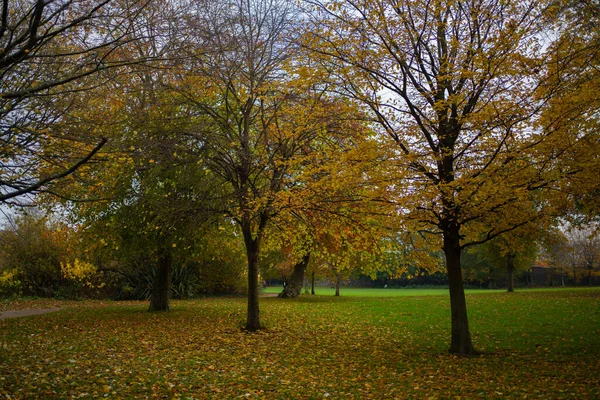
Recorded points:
411,292
380,292
535,344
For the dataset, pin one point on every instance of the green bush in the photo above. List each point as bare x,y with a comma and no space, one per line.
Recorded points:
183,283
139,285
221,278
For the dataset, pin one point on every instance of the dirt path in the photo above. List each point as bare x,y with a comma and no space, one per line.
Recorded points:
26,313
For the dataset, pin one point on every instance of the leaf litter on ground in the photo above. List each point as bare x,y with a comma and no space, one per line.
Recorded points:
534,344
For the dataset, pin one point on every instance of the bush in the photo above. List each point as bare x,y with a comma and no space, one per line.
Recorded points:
221,278
139,285
10,285
31,254
183,283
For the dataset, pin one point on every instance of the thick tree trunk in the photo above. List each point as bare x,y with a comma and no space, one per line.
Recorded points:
510,267
461,336
294,284
337,285
161,292
312,284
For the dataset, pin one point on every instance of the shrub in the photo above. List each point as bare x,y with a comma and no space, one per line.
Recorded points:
10,285
32,252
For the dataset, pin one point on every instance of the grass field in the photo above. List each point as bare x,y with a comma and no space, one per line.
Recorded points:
379,292
535,344
412,292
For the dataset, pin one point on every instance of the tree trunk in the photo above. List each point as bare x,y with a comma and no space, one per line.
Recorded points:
253,318
510,267
252,251
312,284
461,336
294,284
337,285
590,277
161,292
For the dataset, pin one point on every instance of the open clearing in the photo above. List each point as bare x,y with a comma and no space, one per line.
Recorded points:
535,344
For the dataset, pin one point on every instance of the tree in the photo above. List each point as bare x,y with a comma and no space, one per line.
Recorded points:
452,85
573,250
48,49
238,76
148,188
559,255
248,77
585,250
507,254
329,210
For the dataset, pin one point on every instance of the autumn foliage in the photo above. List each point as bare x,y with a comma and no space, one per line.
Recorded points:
184,144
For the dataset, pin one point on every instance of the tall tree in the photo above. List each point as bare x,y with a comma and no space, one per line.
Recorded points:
451,84
145,187
248,78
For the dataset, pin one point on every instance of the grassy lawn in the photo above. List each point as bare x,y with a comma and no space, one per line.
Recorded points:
402,292
536,344
379,292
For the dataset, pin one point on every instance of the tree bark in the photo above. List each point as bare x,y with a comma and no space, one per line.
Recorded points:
252,251
295,283
312,284
253,319
161,292
461,336
337,285
510,267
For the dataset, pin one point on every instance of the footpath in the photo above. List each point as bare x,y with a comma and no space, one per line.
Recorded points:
26,313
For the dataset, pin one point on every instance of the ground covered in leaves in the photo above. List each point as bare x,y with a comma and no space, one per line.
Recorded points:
537,344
